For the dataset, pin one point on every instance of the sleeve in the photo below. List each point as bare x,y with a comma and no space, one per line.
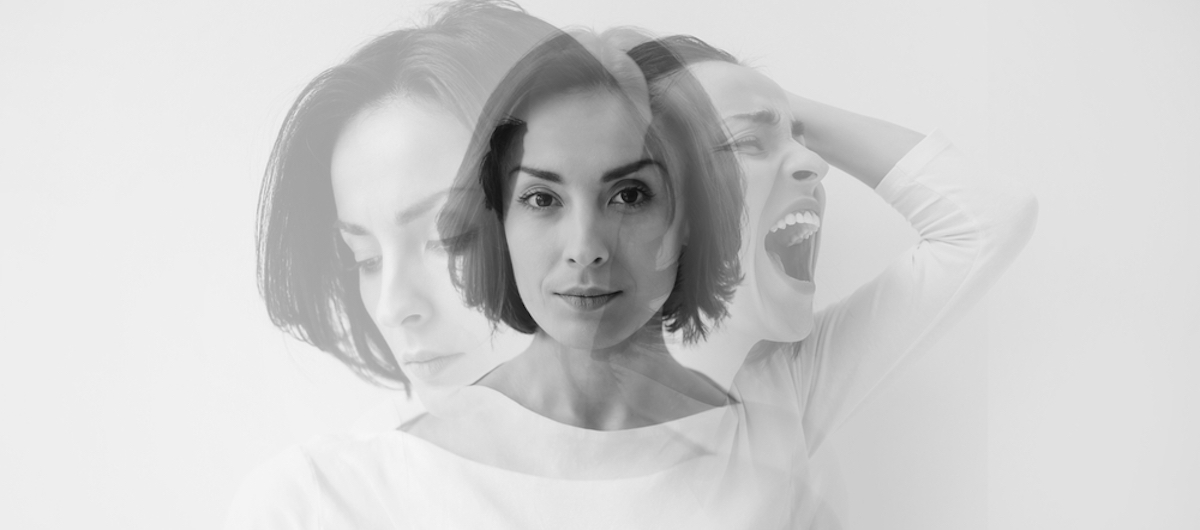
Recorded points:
281,494
972,224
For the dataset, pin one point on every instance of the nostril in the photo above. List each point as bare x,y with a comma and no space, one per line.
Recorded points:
804,175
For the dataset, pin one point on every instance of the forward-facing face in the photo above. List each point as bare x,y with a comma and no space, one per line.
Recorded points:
588,221
392,167
784,202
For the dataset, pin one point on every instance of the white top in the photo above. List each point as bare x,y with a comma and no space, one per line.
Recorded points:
745,465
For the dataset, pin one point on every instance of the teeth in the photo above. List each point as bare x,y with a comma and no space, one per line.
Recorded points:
810,219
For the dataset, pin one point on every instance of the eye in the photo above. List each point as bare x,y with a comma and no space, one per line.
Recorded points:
633,196
749,145
369,265
350,261
538,200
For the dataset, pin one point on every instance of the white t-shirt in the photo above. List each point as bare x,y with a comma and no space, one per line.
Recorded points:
744,465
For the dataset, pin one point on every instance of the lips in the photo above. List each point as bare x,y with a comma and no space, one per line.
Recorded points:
427,365
424,356
588,298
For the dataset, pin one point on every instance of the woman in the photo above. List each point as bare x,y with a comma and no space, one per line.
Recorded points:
589,193
616,211
972,224
348,257
746,463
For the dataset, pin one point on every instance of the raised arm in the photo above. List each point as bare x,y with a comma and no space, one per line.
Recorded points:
972,224
865,147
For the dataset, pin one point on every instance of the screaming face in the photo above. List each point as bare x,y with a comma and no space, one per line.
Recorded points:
785,202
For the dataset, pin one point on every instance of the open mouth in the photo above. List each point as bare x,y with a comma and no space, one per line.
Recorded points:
791,244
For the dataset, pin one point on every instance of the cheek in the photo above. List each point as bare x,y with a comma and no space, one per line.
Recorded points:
368,291
526,251
759,175
435,280
651,250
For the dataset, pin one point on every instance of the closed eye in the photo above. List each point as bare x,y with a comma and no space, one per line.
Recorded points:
368,265
746,145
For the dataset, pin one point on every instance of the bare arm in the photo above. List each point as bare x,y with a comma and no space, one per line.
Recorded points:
866,148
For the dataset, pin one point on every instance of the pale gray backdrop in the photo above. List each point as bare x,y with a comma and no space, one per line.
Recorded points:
142,379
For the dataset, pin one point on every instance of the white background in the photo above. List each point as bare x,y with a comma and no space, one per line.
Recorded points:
142,379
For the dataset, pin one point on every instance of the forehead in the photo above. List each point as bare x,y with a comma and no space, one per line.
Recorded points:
579,130
735,89
395,152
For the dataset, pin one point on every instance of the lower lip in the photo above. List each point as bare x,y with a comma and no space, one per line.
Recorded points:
588,303
426,370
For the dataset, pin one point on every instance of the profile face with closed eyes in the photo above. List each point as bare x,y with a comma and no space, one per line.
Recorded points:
785,201
391,170
590,222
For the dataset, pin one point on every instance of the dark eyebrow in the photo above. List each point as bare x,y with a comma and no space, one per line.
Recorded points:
632,167
610,175
539,173
403,217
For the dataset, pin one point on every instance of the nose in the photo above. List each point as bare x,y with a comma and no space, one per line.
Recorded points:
404,299
585,240
804,166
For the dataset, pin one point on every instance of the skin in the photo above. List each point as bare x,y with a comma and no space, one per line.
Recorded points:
782,176
784,163
392,166
587,208
588,211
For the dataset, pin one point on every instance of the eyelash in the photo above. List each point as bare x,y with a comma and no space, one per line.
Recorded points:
372,264
739,144
368,265
523,200
646,197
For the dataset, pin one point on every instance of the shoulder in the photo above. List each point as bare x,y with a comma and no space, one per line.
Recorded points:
280,493
292,490
771,367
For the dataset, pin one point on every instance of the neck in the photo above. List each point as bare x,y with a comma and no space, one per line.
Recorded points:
631,384
719,355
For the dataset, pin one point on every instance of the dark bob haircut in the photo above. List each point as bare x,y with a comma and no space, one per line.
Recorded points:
304,269
668,55
683,128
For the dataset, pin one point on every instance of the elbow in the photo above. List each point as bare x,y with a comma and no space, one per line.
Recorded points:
1016,225
1026,214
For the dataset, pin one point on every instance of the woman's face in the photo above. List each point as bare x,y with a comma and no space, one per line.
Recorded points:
784,202
392,167
588,222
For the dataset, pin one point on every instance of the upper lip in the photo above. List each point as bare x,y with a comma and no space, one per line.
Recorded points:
423,356
587,291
